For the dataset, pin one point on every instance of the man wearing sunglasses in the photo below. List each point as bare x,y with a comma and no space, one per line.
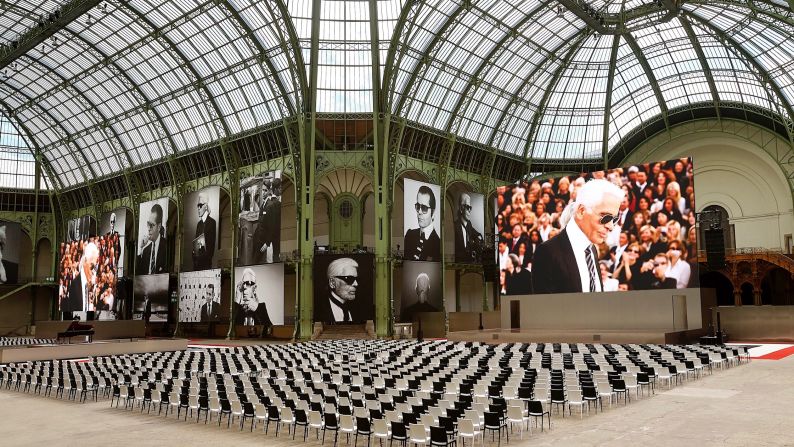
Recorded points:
268,228
423,243
248,309
204,239
568,262
82,287
340,305
468,241
152,257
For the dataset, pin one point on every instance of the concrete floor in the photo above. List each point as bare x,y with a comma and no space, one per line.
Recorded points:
743,406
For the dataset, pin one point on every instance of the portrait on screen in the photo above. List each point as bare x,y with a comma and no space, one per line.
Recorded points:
200,229
10,234
259,295
421,290
627,228
259,221
152,255
468,224
150,298
200,296
422,221
114,224
87,277
81,228
343,289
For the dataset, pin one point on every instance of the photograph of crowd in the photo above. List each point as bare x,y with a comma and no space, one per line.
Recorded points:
87,275
635,227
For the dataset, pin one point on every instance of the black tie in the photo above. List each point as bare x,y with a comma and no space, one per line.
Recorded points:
421,245
588,252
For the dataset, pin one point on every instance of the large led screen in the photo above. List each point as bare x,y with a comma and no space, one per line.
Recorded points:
422,221
343,288
622,229
200,296
200,229
259,295
152,256
259,221
87,277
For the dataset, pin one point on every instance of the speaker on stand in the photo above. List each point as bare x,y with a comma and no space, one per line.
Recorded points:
715,248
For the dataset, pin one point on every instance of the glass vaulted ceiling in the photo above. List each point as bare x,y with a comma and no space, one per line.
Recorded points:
131,82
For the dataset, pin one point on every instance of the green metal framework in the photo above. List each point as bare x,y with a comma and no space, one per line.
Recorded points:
120,102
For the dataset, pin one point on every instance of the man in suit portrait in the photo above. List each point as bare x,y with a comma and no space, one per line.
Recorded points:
204,238
248,309
153,251
9,271
268,227
340,306
115,239
423,243
518,281
209,310
468,241
567,263
82,287
422,290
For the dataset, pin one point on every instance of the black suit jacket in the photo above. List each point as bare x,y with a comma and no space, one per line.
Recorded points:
518,283
554,268
513,247
12,272
142,267
359,311
202,259
206,317
260,315
668,283
268,228
471,251
74,298
431,251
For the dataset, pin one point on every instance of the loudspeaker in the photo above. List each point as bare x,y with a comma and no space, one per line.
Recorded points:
715,249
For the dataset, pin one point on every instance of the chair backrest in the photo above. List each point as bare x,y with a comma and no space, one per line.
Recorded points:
619,385
438,435
514,412
535,407
418,431
466,427
330,421
362,424
346,422
492,419
398,430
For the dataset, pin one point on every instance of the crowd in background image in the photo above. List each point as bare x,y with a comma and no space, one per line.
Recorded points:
653,240
100,295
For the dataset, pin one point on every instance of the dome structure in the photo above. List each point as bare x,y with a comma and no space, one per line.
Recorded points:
100,87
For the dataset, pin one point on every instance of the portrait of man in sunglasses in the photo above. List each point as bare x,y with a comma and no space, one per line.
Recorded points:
423,243
468,241
249,310
204,237
568,262
340,305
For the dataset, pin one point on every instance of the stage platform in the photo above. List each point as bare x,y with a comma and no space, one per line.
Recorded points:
575,336
9,354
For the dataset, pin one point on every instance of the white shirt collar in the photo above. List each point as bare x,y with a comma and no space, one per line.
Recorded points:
427,231
204,216
339,313
579,241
